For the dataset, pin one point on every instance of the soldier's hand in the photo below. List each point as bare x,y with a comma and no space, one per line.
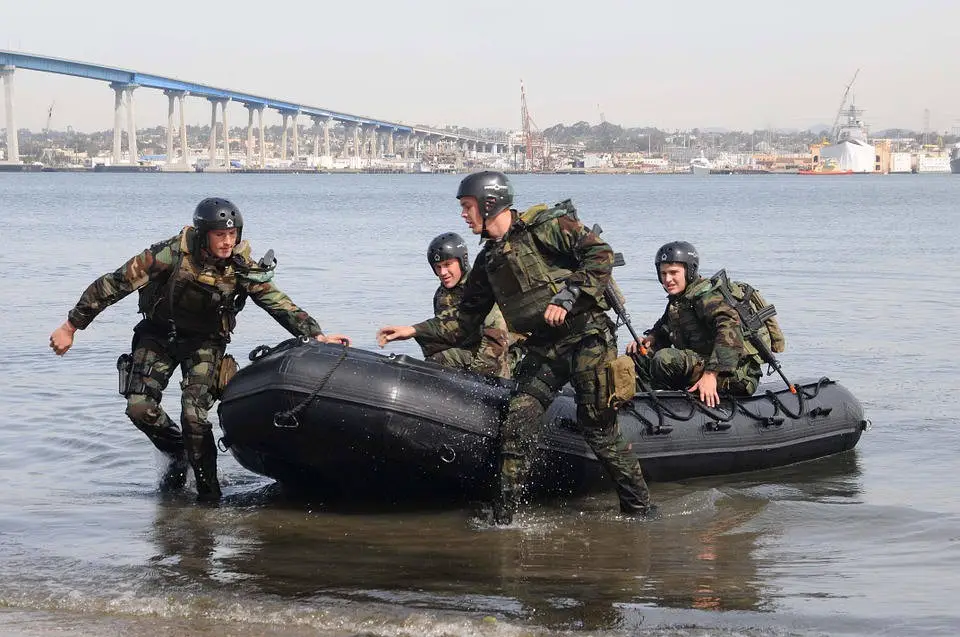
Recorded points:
394,333
336,339
646,342
707,386
554,315
62,338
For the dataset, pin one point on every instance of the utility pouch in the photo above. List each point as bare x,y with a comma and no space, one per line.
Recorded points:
227,370
621,381
125,372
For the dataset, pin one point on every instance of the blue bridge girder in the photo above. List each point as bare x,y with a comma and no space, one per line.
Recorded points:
118,76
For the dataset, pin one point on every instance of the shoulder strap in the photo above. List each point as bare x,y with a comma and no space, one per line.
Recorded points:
702,287
183,249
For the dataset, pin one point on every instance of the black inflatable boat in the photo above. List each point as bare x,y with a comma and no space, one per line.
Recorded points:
347,422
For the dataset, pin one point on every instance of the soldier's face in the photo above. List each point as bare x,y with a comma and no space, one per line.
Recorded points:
222,242
470,211
673,277
449,272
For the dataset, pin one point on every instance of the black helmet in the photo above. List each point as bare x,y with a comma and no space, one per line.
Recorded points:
678,252
448,245
214,213
492,189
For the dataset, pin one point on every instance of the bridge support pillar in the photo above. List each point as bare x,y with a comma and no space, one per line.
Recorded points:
326,136
117,120
172,97
419,142
13,143
263,146
283,137
370,141
131,126
250,109
317,124
356,140
226,135
183,133
296,139
390,149
212,146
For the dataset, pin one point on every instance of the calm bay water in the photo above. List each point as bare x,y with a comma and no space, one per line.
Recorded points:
862,273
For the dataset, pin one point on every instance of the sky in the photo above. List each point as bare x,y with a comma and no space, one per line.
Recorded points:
737,64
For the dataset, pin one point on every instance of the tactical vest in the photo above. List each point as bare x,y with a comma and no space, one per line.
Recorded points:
685,325
201,298
444,299
688,329
524,277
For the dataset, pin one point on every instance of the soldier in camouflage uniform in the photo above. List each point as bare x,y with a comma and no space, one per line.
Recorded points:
191,288
487,352
697,344
547,274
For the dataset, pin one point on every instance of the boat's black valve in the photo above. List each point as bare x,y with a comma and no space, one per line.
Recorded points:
711,425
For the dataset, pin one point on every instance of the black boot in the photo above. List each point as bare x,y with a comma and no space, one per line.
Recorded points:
204,463
503,512
641,512
176,474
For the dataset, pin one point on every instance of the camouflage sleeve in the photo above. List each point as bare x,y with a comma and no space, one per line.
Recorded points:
132,275
287,313
453,324
728,339
492,354
594,257
443,300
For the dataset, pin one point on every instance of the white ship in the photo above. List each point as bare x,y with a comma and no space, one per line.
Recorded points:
851,151
700,165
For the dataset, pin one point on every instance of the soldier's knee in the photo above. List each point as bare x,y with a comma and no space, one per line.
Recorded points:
592,418
536,389
664,362
523,417
142,410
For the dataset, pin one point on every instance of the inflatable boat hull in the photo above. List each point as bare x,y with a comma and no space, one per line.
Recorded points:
344,422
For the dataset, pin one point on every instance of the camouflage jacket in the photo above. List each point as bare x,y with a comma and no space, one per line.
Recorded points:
157,263
490,346
563,245
700,320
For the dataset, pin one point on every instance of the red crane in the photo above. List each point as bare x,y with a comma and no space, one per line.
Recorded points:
532,137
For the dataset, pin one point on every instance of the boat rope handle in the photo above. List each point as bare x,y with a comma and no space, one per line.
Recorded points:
288,419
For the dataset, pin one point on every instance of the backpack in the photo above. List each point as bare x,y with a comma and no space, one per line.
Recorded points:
756,315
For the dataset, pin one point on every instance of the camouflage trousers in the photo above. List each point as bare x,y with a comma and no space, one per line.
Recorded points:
454,357
580,360
154,361
671,368
491,357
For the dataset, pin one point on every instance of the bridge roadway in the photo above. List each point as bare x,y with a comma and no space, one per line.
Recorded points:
123,82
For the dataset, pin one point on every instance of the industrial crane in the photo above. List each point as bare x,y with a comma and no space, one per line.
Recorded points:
46,129
536,157
843,102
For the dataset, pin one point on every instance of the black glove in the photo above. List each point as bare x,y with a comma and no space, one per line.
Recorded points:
566,297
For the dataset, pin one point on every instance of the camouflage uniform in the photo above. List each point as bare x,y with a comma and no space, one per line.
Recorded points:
487,352
699,332
201,299
545,250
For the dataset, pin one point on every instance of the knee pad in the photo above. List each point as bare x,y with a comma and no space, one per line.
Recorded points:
143,410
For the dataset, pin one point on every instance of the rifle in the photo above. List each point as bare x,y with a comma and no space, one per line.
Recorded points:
752,322
612,294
